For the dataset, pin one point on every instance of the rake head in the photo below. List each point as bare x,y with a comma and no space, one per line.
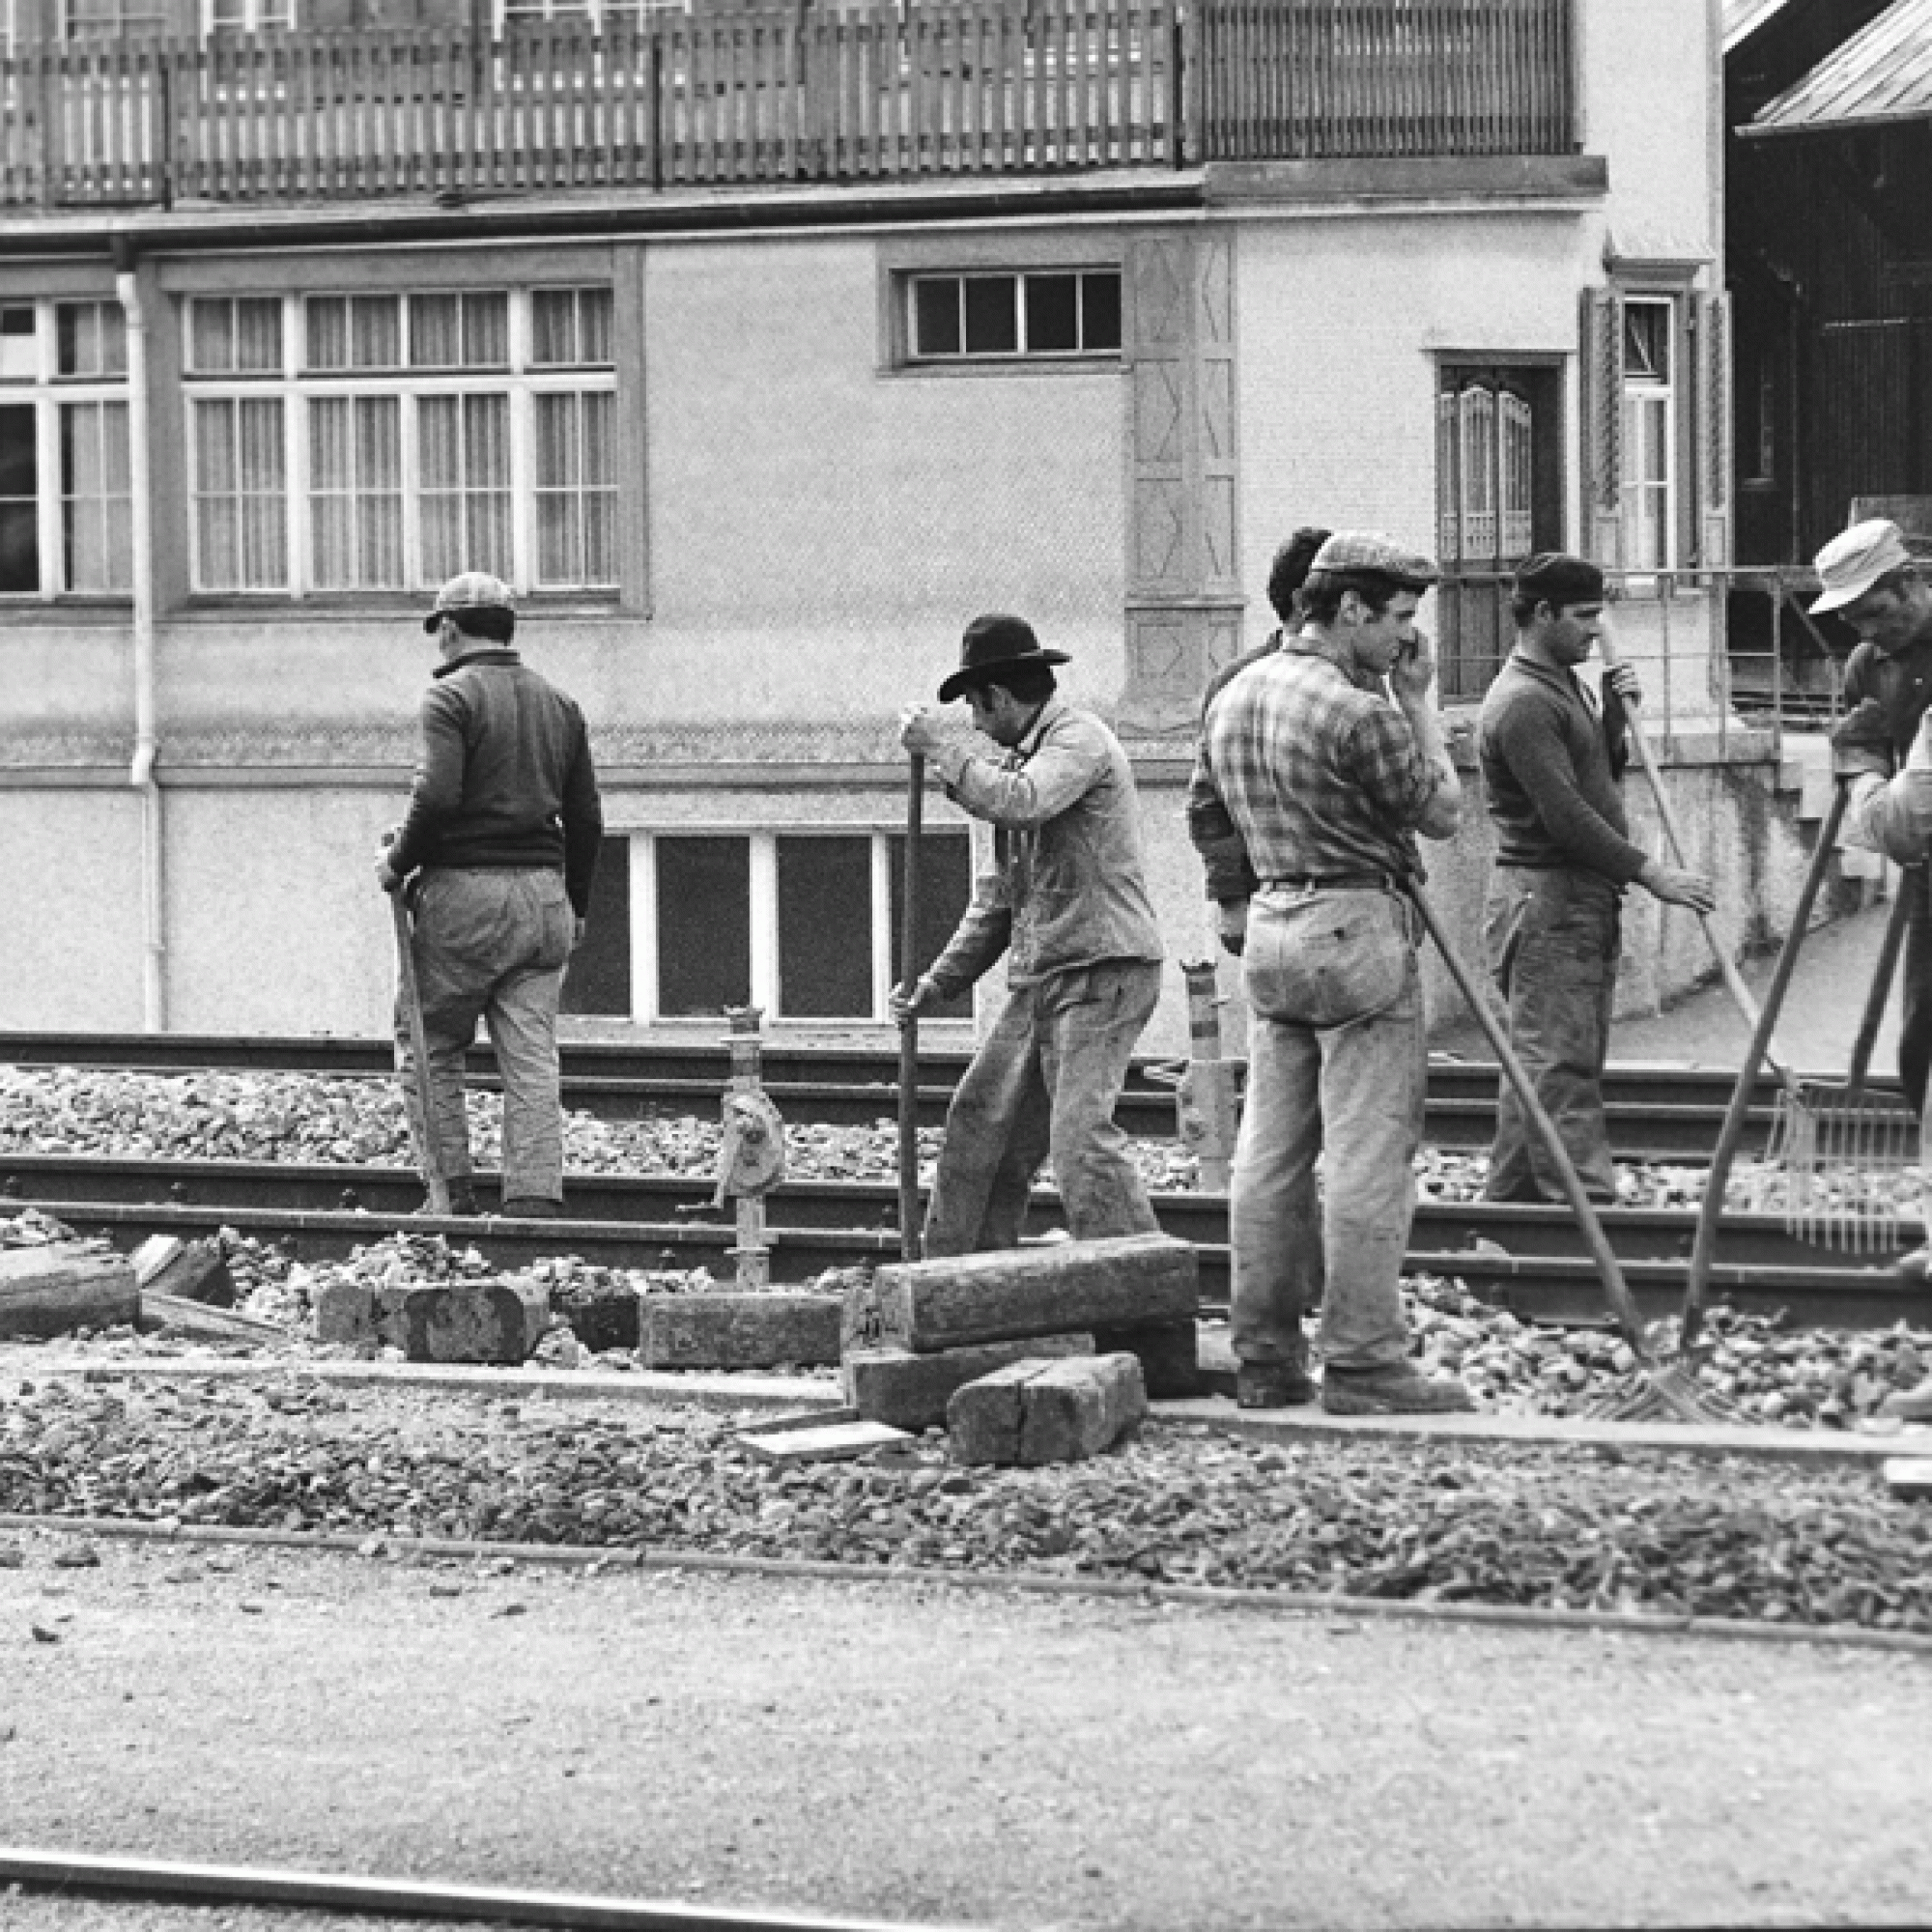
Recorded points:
1847,1163
1668,1394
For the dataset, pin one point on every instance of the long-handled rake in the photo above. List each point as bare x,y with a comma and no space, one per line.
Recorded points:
1669,1393
1840,1146
1831,1147
1709,1211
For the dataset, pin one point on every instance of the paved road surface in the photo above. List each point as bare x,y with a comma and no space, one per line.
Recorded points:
918,1752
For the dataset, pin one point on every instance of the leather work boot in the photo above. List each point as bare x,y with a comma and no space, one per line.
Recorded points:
1274,1385
531,1207
462,1199
1915,1267
1396,1390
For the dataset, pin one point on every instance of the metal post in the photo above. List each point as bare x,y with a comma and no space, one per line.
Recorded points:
746,1164
1204,1105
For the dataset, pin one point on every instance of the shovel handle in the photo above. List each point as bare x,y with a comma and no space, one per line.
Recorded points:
1622,1302
1673,832
909,1227
435,1181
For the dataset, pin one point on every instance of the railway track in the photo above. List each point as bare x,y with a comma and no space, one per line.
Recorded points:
1529,1257
1657,1114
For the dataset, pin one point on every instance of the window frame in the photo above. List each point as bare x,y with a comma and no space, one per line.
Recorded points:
1671,393
49,392
294,386
766,987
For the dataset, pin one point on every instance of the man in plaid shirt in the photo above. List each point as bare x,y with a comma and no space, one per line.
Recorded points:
1311,785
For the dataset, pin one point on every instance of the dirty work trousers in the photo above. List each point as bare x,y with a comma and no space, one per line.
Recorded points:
492,944
1337,1059
1044,1083
1554,936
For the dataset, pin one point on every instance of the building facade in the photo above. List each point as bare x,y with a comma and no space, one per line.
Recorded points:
760,351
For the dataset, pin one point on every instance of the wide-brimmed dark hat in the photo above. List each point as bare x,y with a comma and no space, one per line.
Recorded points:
991,644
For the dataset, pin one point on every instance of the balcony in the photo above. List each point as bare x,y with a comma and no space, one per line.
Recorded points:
761,95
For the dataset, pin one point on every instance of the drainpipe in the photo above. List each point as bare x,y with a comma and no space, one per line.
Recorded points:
141,774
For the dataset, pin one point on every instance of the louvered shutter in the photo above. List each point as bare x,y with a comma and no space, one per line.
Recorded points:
1601,366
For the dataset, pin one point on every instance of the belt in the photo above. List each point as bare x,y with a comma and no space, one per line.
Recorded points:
1359,882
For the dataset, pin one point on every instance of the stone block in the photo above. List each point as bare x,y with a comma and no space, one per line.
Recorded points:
60,1286
737,1330
823,1441
1077,1408
982,1418
911,1391
1169,1355
345,1314
468,1321
1066,1288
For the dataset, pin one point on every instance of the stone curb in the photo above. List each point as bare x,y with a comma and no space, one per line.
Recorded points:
642,1386
1549,1432
1021,1582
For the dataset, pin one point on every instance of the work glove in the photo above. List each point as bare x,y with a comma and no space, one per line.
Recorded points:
1862,743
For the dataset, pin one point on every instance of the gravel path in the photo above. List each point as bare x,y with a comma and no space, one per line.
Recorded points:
912,1751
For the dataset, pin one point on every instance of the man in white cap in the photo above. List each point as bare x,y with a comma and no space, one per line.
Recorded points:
1873,584
497,853
1315,780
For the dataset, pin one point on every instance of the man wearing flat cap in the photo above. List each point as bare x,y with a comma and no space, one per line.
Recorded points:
1067,902
1872,582
1312,779
1552,763
496,854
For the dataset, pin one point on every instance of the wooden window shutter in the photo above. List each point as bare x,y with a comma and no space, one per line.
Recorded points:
1710,426
1602,368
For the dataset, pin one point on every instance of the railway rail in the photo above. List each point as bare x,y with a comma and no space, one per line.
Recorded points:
1660,1114
1528,1258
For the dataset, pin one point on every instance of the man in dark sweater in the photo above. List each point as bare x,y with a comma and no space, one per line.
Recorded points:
1551,766
497,854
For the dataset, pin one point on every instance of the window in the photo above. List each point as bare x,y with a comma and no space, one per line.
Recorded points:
597,14
115,19
388,442
66,478
1032,316
804,924
1649,434
231,20
1498,497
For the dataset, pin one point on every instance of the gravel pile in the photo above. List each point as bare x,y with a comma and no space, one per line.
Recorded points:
1561,1528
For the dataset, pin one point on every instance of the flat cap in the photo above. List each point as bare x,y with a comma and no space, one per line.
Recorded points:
1370,550
1556,577
473,591
1855,559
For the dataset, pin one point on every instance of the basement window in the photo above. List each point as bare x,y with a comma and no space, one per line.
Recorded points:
1031,315
804,924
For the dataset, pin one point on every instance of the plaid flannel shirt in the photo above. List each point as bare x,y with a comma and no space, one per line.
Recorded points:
1306,770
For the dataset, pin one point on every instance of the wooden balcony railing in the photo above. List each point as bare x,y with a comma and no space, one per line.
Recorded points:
930,88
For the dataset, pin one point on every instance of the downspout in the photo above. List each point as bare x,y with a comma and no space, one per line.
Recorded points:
147,743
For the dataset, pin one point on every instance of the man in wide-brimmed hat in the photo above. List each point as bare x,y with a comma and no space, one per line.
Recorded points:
1552,759
497,850
1313,780
1067,902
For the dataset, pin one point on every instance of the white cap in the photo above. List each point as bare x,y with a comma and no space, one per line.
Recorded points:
1855,559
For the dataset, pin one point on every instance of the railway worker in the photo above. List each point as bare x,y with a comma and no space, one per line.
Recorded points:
1287,576
496,854
1067,902
1314,777
1551,760
1873,584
